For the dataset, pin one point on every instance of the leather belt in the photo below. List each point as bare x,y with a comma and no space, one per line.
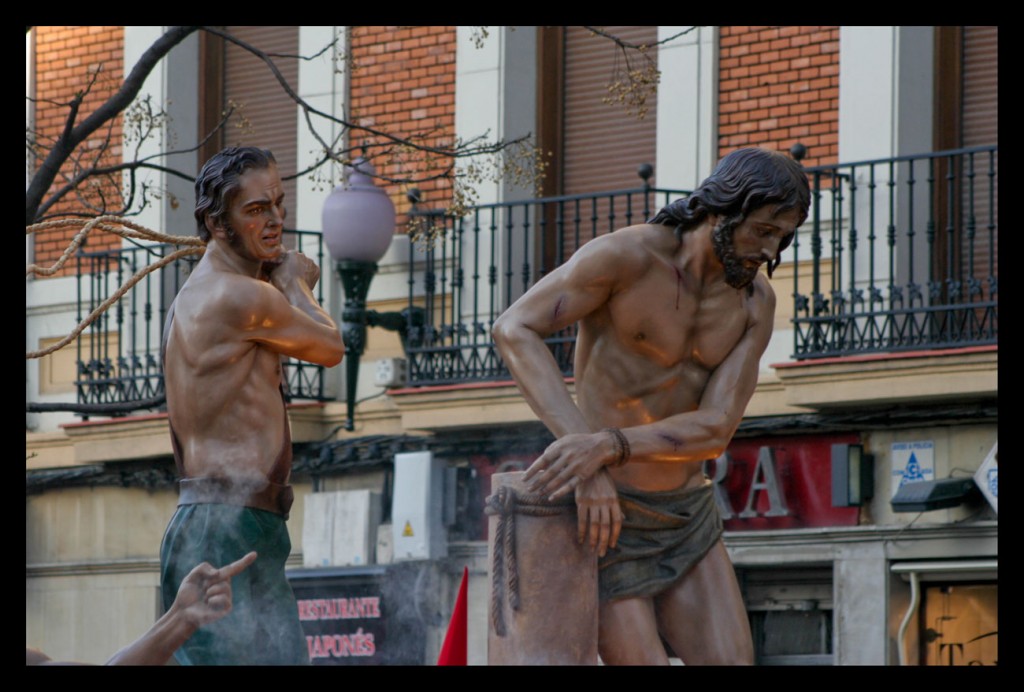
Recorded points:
268,496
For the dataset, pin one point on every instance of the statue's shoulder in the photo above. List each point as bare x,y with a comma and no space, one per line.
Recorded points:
761,301
628,250
224,296
642,238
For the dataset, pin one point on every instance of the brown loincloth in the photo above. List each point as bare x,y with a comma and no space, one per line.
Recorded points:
664,534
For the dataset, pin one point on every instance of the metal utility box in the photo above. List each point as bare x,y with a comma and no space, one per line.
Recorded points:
340,528
417,508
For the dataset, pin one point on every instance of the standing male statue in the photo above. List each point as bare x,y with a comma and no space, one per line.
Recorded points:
673,319
247,303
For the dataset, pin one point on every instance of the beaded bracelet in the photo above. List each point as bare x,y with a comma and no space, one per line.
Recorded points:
622,451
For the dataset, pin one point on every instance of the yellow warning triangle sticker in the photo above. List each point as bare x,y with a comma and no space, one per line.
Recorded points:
407,531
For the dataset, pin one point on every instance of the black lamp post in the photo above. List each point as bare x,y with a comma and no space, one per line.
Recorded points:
358,225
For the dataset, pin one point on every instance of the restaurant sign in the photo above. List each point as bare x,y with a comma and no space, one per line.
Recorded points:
360,616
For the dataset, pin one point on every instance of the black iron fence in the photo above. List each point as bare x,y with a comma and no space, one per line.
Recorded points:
899,254
118,355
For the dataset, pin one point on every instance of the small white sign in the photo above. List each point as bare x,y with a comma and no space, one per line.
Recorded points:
987,477
912,462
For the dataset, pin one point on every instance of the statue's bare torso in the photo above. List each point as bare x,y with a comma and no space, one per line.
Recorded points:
648,353
223,392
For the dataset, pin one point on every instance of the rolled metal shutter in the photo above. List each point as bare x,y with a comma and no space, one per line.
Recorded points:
603,145
981,86
980,123
271,113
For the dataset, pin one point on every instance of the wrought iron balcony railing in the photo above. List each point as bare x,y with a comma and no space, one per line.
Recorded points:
898,254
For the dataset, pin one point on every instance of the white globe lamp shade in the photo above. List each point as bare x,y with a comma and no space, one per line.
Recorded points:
358,217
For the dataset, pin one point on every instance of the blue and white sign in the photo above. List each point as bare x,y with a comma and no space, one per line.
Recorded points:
912,462
987,477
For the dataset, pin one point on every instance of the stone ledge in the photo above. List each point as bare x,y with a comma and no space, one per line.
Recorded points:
500,403
148,436
910,378
478,404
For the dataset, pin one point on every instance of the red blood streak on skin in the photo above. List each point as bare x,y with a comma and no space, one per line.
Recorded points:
558,309
679,285
673,441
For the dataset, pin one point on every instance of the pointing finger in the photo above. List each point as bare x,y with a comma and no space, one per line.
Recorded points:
238,566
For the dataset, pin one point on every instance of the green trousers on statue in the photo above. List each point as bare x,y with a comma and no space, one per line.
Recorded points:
263,627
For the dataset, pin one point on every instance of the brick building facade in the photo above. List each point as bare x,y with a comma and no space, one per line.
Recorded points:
403,82
780,85
70,60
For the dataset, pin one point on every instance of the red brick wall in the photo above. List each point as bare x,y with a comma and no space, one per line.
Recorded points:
66,58
780,85
404,83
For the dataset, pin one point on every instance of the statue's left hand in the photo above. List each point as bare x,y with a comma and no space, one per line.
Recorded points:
598,512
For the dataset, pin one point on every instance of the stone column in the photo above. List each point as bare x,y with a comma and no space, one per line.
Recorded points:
544,598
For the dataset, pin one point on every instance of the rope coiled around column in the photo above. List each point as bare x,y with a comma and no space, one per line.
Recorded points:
506,503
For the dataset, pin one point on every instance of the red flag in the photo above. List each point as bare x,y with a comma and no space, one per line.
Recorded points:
453,651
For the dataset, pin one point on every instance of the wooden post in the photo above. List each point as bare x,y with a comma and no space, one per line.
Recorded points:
544,598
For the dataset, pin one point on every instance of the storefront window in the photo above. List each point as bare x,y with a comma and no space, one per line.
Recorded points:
790,613
792,637
960,625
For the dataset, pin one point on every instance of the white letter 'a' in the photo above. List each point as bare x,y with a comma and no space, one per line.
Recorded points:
765,470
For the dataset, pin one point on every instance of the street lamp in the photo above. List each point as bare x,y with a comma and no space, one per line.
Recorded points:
358,224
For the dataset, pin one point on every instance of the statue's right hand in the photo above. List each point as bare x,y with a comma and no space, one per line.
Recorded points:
568,461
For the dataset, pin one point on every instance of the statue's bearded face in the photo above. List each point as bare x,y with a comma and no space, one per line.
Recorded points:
743,246
739,272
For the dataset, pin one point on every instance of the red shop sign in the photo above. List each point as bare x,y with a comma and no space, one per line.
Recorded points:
779,483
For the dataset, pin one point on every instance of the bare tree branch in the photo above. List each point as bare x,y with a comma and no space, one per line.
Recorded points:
635,46
143,163
75,135
631,87
63,149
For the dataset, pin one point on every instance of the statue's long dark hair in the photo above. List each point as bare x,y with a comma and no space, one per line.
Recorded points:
743,181
217,183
